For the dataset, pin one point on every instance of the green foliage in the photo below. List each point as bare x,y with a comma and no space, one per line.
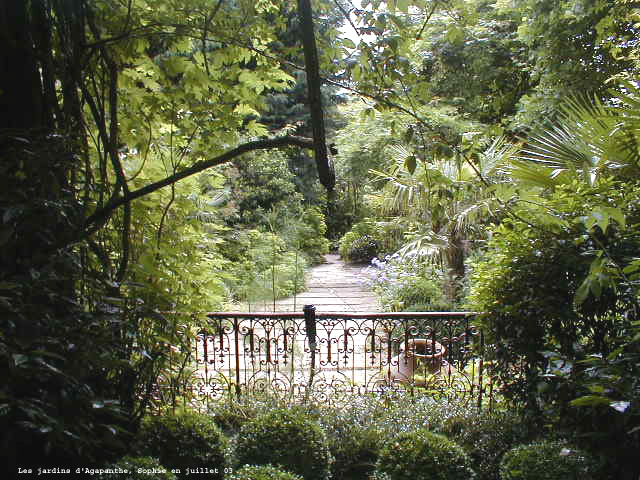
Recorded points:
288,439
556,297
353,443
530,282
368,239
388,414
355,429
311,235
262,472
139,468
360,248
559,277
486,437
54,344
359,426
355,453
591,141
422,455
606,406
408,284
231,415
489,62
131,94
475,64
259,185
184,440
548,461
85,269
360,234
264,267
575,47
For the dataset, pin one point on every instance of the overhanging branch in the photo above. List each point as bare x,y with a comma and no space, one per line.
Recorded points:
102,215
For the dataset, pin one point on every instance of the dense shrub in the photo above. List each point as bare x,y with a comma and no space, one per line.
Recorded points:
264,266
389,414
369,239
560,300
186,440
139,468
357,430
486,437
288,439
311,235
261,182
262,472
408,284
530,285
354,445
231,415
358,248
546,461
423,455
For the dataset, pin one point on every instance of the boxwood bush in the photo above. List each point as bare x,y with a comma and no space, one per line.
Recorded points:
423,455
139,468
185,440
358,429
288,439
354,447
548,460
262,472
486,437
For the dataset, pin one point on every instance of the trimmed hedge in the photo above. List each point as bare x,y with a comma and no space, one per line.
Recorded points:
547,461
355,450
288,439
263,472
486,437
423,455
139,468
186,440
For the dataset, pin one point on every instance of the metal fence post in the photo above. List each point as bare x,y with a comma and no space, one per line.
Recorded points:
310,325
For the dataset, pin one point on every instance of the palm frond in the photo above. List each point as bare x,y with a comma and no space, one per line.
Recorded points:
399,153
496,156
534,175
429,246
628,129
471,215
582,144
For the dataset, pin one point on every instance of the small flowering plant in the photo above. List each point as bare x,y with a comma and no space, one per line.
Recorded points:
407,283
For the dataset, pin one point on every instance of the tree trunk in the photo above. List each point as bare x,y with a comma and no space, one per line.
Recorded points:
21,95
325,168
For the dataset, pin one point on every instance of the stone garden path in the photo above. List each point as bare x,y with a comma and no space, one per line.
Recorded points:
333,286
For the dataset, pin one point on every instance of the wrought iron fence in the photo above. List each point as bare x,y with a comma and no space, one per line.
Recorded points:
327,355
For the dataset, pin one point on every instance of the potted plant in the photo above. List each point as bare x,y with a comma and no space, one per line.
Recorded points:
419,362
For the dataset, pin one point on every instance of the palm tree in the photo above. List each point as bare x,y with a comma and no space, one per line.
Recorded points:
590,140
448,198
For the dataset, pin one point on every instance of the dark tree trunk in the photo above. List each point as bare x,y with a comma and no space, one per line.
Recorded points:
325,168
21,93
